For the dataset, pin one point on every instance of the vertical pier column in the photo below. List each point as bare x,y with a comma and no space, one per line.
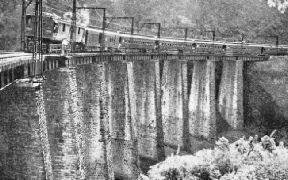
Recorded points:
104,120
208,127
238,117
202,118
231,93
122,117
96,138
148,109
159,120
174,84
64,124
131,97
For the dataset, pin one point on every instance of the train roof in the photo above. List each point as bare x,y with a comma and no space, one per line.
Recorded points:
88,27
60,19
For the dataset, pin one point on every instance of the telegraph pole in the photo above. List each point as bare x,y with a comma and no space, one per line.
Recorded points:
35,29
41,34
73,27
103,28
23,23
186,33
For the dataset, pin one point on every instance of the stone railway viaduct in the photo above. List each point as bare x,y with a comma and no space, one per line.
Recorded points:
92,116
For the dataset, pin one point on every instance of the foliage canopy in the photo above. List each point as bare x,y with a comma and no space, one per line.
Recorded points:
245,159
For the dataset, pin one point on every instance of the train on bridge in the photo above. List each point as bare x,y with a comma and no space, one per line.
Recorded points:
90,39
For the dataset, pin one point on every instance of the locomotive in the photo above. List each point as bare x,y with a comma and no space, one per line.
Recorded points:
55,30
89,39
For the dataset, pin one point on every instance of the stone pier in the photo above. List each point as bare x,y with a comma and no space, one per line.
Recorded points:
202,119
122,118
148,109
174,102
230,103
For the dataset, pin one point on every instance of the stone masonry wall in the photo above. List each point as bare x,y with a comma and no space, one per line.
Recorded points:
93,121
144,80
20,145
124,146
73,105
202,119
174,102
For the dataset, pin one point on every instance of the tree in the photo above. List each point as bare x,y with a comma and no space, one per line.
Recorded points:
10,24
280,4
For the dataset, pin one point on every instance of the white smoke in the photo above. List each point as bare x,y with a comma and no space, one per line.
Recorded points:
82,17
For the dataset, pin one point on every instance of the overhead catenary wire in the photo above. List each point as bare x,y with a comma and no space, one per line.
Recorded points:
93,19
199,40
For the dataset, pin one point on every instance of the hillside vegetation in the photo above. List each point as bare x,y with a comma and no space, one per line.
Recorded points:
245,159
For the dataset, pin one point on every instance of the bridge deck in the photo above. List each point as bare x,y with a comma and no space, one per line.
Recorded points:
21,65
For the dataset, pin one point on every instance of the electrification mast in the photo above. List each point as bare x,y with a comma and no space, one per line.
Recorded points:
73,27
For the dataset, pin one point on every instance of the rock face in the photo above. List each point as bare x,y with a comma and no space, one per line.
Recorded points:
266,96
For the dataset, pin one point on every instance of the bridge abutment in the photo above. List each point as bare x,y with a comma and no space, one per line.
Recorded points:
21,130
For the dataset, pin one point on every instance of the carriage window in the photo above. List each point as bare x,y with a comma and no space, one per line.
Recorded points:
100,37
63,27
55,28
262,50
79,30
28,20
194,45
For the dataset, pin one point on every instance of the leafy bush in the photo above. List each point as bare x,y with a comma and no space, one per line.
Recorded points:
245,159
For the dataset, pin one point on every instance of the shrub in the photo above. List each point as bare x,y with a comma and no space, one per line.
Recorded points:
245,159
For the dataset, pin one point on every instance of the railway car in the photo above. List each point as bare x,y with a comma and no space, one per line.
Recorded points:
274,51
48,26
116,41
90,38
236,49
209,48
55,30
